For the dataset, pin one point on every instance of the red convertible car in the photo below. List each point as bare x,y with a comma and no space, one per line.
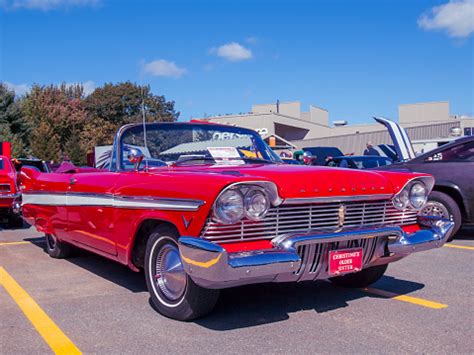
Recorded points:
9,194
201,207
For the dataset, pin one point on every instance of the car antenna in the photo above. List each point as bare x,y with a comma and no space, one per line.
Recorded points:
144,126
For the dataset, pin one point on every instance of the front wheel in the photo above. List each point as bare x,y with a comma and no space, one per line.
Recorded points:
362,278
173,293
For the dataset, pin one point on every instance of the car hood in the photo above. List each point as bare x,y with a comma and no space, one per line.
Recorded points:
295,181
399,137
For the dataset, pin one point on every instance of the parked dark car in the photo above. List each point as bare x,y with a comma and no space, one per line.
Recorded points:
359,162
321,154
452,165
38,164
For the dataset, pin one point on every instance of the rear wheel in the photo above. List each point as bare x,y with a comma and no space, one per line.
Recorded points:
362,278
442,205
57,249
173,293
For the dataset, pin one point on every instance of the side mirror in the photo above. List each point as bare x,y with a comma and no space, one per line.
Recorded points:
135,156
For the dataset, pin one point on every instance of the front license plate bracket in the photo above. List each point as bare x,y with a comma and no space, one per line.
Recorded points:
345,261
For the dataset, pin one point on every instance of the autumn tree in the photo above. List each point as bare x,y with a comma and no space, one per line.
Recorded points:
59,111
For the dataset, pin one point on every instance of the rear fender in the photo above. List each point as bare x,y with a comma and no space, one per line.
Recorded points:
28,176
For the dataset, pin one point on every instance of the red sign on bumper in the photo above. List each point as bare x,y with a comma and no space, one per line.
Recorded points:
345,261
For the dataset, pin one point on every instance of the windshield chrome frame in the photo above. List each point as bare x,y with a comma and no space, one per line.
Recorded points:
117,151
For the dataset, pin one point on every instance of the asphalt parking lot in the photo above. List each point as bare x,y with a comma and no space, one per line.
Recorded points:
424,304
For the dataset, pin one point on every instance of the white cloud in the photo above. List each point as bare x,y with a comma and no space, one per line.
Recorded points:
20,89
88,86
163,67
233,52
455,17
45,5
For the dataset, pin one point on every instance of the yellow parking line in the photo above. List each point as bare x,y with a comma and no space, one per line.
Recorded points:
404,298
13,243
458,246
50,332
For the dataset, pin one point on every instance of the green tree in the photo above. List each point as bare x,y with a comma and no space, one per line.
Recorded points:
45,143
17,146
122,103
74,149
114,105
11,117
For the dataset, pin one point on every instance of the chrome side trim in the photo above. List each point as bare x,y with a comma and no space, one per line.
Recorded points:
304,200
45,198
152,202
5,196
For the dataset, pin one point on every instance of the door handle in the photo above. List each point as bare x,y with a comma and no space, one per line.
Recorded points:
72,181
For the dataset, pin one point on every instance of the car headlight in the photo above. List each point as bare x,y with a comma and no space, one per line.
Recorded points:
413,196
418,195
229,207
246,199
256,204
401,200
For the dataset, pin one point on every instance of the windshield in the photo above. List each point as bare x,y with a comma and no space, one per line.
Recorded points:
193,144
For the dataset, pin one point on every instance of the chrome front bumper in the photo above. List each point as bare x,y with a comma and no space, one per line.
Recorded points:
210,266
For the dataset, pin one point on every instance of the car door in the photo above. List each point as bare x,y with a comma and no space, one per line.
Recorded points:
91,212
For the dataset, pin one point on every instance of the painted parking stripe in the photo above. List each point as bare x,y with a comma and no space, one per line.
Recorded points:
51,333
458,246
13,243
404,298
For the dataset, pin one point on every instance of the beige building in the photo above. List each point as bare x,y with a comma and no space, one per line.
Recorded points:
430,121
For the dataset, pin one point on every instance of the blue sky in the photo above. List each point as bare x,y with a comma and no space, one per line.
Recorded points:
354,58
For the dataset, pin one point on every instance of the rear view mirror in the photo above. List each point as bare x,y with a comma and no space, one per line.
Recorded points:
135,156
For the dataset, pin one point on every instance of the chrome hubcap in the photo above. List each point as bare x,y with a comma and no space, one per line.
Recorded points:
51,240
169,272
436,209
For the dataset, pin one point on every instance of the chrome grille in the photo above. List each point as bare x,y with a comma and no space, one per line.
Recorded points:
314,257
306,217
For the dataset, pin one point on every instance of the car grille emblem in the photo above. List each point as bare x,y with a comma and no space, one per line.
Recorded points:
341,215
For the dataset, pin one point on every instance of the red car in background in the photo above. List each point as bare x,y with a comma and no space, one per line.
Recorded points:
10,207
201,207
